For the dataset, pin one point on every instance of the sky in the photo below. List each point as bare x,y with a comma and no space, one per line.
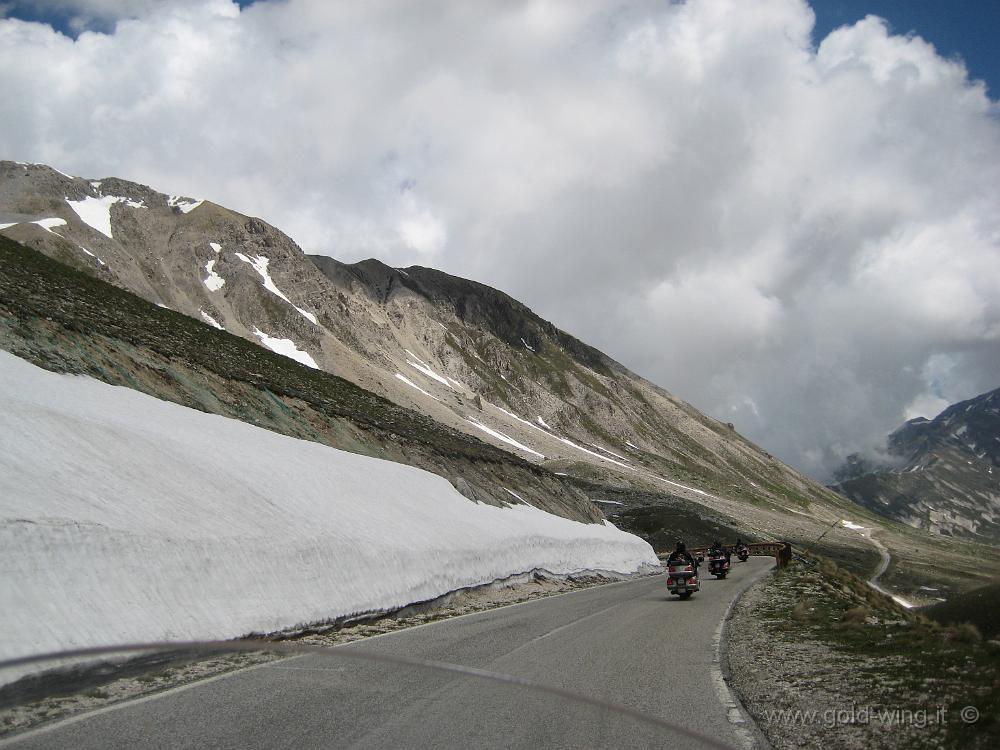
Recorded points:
785,214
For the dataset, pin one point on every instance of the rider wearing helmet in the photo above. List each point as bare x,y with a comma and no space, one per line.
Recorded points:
717,549
681,554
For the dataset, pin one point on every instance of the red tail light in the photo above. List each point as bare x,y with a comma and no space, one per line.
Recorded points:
670,581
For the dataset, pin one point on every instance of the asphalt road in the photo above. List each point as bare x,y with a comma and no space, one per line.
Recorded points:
628,643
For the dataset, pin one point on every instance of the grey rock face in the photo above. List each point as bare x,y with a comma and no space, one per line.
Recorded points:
946,474
464,354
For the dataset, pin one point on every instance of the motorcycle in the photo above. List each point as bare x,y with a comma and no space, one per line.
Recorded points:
718,565
682,578
743,553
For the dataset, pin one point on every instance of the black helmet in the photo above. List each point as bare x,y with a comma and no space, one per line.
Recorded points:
680,546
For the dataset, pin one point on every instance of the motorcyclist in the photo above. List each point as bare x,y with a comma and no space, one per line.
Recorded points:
717,549
742,551
680,554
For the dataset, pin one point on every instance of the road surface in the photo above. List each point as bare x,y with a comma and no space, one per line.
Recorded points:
883,551
628,643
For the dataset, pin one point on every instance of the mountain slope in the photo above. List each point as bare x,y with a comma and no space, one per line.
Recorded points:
65,321
410,364
946,475
460,352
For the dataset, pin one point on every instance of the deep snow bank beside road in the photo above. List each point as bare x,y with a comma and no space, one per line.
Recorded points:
125,518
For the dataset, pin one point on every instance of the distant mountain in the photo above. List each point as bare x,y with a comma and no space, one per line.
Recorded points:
945,472
469,357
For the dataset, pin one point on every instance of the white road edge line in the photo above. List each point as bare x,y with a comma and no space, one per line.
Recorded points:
735,712
88,714
635,577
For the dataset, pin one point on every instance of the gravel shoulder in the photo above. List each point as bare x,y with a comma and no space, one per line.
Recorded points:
819,660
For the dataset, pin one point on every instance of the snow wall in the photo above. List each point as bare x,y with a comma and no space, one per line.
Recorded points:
125,518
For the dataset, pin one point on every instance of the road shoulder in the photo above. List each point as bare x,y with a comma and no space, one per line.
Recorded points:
820,660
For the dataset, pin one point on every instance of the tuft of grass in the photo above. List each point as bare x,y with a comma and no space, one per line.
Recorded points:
854,616
927,663
800,611
964,633
978,607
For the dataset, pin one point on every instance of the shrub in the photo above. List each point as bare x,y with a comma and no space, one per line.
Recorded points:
964,633
801,610
854,615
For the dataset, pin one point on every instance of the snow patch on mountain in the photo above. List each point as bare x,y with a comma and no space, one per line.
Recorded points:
571,444
91,254
683,486
285,347
186,205
49,224
430,373
422,366
503,438
609,452
259,264
126,518
96,212
523,421
210,320
401,376
46,224
214,282
563,440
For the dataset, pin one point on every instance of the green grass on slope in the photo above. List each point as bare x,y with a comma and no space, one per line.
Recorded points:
882,656
980,607
33,286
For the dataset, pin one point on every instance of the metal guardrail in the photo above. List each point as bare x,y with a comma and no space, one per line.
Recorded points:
780,551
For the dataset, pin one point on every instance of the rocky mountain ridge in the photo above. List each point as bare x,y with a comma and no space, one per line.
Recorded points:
942,474
469,358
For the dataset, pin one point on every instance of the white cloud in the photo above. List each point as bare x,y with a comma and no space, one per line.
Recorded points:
926,405
420,229
80,16
742,215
